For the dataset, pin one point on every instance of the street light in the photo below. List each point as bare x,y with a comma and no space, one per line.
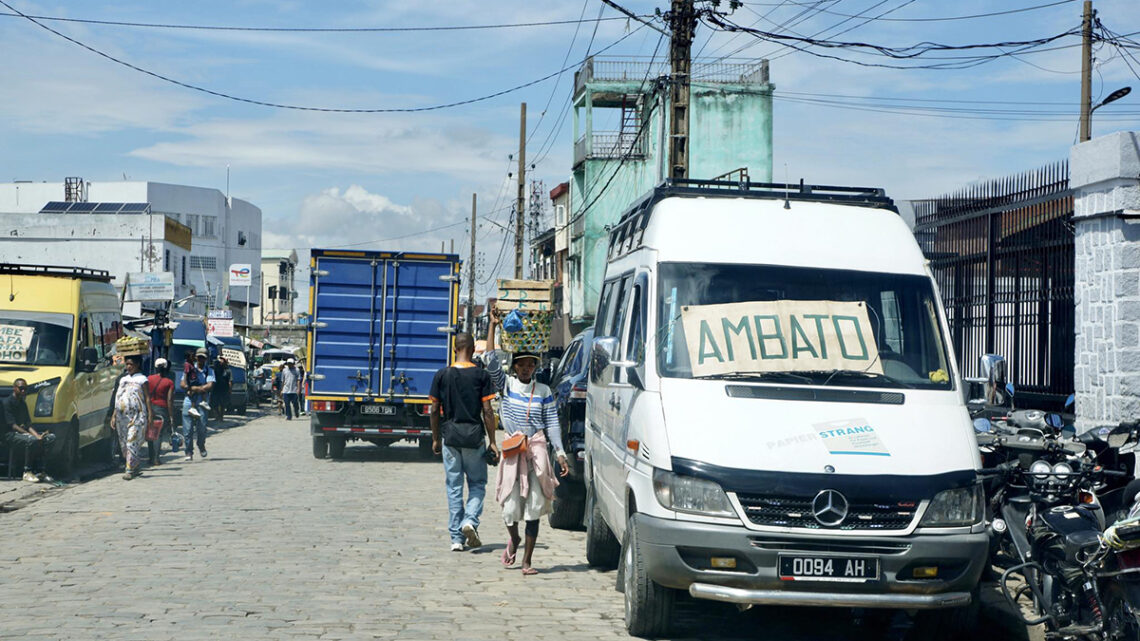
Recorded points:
1112,97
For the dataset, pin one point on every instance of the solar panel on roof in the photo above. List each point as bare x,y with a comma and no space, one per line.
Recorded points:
55,206
108,207
82,207
136,207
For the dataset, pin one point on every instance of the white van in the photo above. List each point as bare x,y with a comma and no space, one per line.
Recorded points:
774,415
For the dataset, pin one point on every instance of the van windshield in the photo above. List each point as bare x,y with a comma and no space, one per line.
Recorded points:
35,338
800,326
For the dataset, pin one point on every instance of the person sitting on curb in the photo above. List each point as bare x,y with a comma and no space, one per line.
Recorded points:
16,430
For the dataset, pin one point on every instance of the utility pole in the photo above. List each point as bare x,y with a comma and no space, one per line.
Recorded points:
683,23
471,275
1086,71
520,205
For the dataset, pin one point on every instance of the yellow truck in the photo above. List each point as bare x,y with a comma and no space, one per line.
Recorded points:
58,327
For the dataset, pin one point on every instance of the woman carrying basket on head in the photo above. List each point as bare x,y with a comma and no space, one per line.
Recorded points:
526,480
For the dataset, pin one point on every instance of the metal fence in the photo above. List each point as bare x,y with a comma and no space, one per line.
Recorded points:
1003,255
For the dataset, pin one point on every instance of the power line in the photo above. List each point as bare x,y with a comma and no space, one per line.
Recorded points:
202,27
275,105
632,15
939,19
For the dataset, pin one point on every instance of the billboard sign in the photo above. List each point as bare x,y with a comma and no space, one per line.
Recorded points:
241,275
150,286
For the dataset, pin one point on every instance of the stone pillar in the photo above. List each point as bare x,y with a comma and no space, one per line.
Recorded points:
1105,177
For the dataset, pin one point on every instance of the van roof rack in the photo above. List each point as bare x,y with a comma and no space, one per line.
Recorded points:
84,273
627,234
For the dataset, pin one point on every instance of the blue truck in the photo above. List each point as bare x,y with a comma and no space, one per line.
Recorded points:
381,326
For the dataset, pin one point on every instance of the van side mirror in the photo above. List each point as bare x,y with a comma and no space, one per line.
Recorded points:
994,373
88,359
601,357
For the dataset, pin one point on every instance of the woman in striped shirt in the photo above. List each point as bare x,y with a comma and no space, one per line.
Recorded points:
526,481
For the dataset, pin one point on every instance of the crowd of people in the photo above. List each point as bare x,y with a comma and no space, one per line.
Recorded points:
463,428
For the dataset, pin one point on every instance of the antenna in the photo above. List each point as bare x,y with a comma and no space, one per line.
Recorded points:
787,203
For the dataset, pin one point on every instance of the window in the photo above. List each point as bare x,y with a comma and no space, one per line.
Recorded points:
183,271
604,308
208,225
203,262
635,340
613,325
192,223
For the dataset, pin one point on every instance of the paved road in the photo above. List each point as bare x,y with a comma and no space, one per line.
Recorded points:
261,541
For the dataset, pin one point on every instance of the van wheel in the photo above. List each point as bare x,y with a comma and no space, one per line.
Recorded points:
336,447
320,447
648,606
65,454
602,549
950,623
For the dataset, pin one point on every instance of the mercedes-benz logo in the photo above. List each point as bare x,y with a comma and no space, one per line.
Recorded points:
829,508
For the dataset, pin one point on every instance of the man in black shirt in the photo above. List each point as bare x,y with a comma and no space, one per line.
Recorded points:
464,392
16,430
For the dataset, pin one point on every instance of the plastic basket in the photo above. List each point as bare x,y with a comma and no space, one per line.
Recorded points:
534,336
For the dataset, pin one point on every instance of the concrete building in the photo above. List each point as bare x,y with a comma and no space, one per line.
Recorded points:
195,233
560,201
621,126
278,284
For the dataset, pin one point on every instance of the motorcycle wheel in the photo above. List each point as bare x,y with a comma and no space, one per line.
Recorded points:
1121,619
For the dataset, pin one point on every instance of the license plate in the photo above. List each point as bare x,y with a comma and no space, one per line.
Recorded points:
378,409
843,569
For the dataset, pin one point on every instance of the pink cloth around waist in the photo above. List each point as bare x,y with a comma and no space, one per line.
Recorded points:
517,468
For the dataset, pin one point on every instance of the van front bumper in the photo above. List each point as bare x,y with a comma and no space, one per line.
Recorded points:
678,554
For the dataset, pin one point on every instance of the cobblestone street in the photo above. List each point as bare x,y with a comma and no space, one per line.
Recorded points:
262,541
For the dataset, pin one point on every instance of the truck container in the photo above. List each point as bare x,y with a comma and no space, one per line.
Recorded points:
381,328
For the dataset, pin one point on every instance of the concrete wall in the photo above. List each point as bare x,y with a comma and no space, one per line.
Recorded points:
1105,174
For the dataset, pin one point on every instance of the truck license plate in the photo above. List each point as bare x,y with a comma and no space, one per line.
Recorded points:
378,409
844,569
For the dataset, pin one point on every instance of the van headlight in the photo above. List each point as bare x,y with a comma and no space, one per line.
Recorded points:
689,494
45,400
955,508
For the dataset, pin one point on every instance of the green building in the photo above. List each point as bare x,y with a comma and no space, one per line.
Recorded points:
621,149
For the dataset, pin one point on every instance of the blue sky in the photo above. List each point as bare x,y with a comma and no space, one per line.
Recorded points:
330,179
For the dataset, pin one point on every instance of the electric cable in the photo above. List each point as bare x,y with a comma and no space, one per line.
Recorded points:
938,19
263,103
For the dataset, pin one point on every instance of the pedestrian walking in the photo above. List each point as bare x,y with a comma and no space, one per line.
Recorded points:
290,384
197,382
525,483
161,390
16,431
461,394
132,413
302,387
220,392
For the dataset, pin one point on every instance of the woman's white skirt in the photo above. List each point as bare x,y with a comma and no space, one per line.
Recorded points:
517,508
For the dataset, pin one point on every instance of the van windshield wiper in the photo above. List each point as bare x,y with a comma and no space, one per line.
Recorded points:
857,373
758,376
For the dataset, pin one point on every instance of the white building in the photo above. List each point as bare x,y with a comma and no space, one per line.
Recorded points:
130,226
278,274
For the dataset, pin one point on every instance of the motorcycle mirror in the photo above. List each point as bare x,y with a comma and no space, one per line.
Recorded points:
1071,401
1054,421
1118,437
982,426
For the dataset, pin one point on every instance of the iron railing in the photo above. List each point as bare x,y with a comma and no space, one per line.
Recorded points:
639,71
1002,253
609,145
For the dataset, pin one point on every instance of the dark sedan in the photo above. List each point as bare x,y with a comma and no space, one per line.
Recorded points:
569,385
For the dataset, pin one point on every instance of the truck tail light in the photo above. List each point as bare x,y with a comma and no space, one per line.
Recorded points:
578,392
324,406
425,409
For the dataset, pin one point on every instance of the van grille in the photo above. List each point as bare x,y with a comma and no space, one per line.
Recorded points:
795,512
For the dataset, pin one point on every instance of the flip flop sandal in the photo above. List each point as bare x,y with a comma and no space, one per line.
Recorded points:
529,571
508,557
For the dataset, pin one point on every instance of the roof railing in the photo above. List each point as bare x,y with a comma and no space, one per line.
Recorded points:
55,270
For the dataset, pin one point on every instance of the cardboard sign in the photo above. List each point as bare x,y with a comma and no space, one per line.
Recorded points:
14,342
780,336
527,295
235,357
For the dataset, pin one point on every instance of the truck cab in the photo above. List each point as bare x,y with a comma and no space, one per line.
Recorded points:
774,415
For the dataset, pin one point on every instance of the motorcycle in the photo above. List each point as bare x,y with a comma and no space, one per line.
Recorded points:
1049,491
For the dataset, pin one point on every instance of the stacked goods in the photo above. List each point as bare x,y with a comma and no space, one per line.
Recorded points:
531,301
131,346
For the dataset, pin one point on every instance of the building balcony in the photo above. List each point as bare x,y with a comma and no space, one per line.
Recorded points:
609,145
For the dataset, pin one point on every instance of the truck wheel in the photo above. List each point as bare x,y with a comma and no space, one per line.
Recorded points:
320,447
244,408
567,510
602,549
648,606
424,445
336,447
